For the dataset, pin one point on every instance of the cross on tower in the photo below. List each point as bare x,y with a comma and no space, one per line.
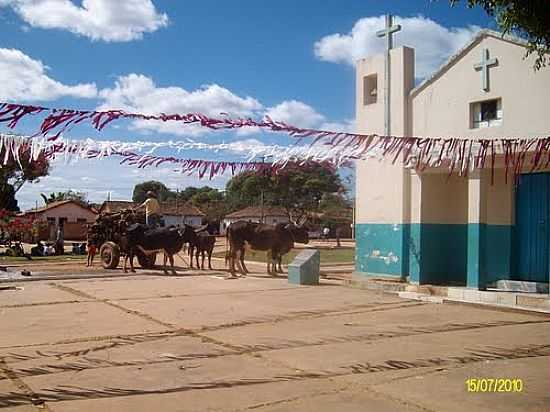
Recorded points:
388,32
484,67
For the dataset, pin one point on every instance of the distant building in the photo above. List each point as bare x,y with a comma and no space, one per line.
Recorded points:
173,213
271,216
72,215
114,206
179,214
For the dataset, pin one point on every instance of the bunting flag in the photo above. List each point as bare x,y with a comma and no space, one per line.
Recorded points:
141,154
459,155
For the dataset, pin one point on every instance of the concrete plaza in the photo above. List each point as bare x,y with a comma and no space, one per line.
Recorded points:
197,342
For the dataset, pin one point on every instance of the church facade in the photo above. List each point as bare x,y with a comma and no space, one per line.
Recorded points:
431,227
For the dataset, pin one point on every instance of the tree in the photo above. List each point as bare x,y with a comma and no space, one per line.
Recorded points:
334,203
7,198
296,188
14,174
60,196
162,192
211,202
529,19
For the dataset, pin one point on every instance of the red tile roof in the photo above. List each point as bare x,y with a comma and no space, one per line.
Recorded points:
256,212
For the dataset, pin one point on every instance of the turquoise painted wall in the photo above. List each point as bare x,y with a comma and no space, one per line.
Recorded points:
436,253
443,254
380,249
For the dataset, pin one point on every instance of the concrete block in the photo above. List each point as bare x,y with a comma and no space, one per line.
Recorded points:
409,295
521,286
304,269
487,297
432,299
506,298
455,293
540,302
472,295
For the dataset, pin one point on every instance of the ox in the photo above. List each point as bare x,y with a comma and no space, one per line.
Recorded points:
204,245
277,240
167,240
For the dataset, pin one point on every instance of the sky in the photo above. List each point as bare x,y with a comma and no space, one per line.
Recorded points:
291,60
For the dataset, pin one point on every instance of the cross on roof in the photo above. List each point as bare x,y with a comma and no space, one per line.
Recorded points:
484,65
388,32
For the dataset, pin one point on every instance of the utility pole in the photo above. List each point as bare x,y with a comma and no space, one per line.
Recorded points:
262,192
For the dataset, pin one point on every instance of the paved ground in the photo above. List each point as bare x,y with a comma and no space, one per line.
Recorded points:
201,343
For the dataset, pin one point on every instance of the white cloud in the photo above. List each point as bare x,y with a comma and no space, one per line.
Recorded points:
95,178
138,93
108,20
432,42
347,126
24,78
295,113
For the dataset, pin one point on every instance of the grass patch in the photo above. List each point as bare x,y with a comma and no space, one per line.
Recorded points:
340,255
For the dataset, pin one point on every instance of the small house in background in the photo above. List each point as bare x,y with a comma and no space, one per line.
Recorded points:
271,216
173,213
179,214
340,222
72,215
114,206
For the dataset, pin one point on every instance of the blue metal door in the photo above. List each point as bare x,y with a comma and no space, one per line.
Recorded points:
532,227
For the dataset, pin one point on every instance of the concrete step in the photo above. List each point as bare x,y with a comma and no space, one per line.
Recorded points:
528,301
519,286
381,285
421,296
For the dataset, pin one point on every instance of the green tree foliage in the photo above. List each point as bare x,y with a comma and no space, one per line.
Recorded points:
162,192
210,200
334,203
7,198
60,196
529,19
297,189
13,175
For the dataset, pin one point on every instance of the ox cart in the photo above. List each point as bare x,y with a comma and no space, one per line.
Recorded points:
108,233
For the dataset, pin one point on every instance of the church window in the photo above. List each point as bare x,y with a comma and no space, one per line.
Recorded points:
486,114
370,89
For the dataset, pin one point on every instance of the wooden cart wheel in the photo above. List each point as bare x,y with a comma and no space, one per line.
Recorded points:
110,255
146,261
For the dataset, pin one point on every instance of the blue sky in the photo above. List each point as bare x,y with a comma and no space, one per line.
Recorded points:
292,60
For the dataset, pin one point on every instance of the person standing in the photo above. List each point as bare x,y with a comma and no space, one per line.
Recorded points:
92,250
60,240
152,210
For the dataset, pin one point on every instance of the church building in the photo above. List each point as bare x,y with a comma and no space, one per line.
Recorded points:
433,227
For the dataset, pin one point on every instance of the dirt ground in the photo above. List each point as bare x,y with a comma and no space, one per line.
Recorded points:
198,342
76,266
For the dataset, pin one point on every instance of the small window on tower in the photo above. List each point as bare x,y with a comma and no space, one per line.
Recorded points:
486,114
370,89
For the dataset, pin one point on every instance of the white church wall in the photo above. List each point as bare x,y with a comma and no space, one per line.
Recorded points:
442,108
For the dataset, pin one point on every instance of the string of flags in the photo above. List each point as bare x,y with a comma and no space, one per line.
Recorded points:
333,148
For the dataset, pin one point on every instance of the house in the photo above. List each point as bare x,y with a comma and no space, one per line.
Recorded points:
267,214
72,215
173,213
177,214
114,206
431,227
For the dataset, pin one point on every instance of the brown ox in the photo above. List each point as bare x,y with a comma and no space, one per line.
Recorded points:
277,240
